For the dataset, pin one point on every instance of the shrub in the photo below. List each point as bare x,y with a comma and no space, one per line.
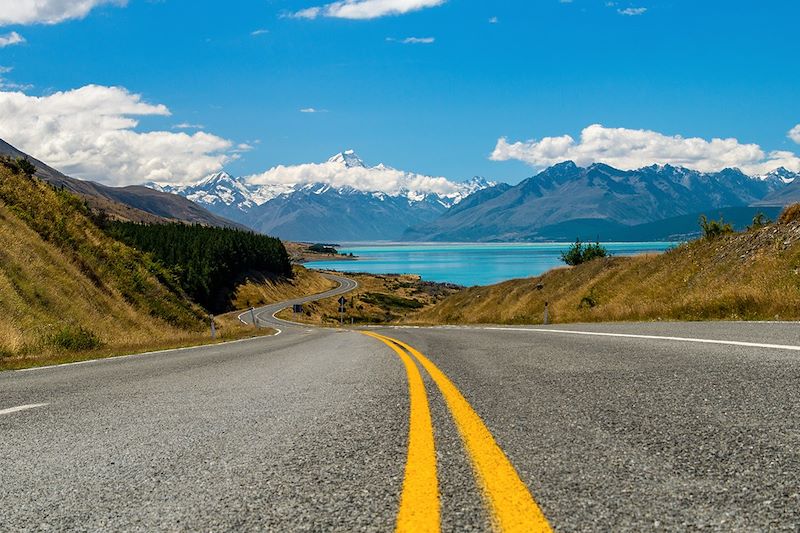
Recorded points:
759,221
790,214
580,253
589,300
714,228
73,338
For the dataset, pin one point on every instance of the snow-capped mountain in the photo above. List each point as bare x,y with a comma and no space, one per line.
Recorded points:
285,199
781,175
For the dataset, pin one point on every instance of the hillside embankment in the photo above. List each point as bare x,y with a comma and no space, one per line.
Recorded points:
751,275
68,291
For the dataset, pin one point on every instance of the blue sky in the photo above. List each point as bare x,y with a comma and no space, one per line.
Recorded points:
519,70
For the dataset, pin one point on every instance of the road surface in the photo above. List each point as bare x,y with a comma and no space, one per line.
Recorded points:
605,427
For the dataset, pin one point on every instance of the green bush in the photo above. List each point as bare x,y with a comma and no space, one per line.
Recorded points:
759,221
73,338
714,228
580,253
388,300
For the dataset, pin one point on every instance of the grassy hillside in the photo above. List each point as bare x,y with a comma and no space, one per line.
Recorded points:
753,275
258,291
69,291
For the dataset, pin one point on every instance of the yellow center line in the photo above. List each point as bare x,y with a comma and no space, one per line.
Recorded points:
513,508
419,503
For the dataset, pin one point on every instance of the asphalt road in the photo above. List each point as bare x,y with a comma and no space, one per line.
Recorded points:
634,429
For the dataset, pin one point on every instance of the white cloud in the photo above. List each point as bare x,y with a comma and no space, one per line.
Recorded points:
494,20
337,174
632,11
366,9
794,134
413,40
48,11
313,110
90,133
10,39
258,32
187,126
631,149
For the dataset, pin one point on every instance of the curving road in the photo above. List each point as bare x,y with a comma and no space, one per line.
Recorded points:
604,427
266,315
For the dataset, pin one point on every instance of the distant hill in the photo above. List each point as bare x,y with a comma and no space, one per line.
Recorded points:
600,201
134,203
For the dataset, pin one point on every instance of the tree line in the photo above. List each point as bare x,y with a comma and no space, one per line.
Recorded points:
208,262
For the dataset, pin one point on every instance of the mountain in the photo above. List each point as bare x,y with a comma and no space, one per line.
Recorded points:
135,203
223,195
598,197
785,195
348,201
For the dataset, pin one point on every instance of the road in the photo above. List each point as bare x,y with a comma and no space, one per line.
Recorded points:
605,427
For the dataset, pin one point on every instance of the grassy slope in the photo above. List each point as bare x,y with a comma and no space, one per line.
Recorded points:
750,276
69,292
255,293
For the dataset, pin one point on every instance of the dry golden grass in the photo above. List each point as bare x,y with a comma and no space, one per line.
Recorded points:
255,293
69,292
790,214
378,299
747,276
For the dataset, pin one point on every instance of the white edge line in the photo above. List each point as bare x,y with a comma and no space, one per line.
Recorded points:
157,352
652,337
21,408
789,347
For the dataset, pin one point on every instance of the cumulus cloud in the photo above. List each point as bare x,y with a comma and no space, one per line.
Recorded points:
91,133
366,9
794,134
48,11
632,11
631,149
338,174
10,39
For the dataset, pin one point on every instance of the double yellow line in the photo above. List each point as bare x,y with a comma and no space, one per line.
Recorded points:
512,507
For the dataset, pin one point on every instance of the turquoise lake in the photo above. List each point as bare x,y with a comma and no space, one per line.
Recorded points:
468,264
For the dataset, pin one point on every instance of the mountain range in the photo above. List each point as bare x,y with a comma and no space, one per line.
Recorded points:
560,203
331,210
343,199
565,201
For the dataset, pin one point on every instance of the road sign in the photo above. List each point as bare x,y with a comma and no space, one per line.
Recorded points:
297,308
342,301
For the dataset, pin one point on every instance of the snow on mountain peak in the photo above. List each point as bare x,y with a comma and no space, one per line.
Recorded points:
349,159
781,173
343,174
